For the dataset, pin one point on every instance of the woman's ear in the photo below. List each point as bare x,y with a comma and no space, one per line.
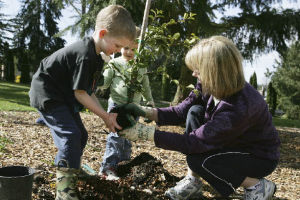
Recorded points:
102,33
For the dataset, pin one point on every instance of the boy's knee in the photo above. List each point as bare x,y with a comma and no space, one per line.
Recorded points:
196,111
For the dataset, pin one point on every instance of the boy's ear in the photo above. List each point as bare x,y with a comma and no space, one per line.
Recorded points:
102,32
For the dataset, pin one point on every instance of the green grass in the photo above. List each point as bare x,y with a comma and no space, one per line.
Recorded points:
3,142
286,122
14,97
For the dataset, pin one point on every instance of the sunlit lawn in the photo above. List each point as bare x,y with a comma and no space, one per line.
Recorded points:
14,97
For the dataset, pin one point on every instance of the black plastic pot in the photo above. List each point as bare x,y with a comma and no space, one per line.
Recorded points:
16,183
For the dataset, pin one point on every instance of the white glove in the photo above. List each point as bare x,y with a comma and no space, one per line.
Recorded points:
139,132
150,104
148,111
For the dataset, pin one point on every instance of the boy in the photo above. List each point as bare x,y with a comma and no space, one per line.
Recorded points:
65,83
117,148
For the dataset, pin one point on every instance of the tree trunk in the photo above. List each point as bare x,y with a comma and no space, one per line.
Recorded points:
9,67
182,91
24,68
83,11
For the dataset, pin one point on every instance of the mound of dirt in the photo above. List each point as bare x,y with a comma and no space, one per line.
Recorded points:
141,178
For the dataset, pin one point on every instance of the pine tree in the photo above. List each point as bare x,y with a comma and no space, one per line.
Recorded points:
271,98
286,81
8,61
5,26
253,80
35,39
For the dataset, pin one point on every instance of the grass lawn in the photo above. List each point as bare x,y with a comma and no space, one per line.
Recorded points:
286,122
14,97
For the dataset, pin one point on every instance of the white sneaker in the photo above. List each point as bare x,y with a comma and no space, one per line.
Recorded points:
264,191
109,174
187,188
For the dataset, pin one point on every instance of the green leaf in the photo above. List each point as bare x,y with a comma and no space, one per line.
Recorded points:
160,69
176,36
190,86
175,81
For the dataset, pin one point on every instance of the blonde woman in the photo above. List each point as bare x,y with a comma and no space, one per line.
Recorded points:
229,140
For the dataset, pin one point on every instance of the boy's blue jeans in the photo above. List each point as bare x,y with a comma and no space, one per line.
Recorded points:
117,148
69,135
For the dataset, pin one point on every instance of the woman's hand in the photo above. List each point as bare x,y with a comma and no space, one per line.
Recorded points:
139,132
135,110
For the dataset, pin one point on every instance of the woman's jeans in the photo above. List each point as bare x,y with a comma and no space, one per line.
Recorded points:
117,148
224,169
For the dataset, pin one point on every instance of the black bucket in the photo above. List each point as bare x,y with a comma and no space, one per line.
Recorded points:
16,183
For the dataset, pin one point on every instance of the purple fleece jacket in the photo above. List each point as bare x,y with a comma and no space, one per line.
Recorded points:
240,121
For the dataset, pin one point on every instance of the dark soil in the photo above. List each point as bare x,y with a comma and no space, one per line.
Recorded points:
141,178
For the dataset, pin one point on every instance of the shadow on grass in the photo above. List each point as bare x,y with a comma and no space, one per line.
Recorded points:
14,93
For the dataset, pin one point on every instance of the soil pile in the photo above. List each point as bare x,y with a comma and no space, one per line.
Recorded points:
141,178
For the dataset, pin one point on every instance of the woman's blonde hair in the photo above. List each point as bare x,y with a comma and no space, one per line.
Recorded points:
218,63
117,21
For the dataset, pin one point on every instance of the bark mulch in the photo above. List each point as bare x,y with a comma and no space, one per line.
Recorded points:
146,176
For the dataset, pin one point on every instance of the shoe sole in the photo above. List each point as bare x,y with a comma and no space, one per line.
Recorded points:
193,196
274,191
271,197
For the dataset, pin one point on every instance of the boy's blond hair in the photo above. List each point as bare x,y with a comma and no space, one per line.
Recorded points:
218,63
117,21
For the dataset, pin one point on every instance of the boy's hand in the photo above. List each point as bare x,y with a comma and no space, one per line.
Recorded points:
139,132
111,122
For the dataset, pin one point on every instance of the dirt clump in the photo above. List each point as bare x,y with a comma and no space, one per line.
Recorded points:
141,178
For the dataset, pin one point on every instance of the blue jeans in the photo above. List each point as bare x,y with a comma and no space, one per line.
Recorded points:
117,148
69,135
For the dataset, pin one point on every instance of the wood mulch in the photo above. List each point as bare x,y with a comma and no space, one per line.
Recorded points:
31,145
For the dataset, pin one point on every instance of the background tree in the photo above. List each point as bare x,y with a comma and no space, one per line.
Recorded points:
2,33
286,81
5,27
8,61
85,13
271,98
256,28
35,29
253,80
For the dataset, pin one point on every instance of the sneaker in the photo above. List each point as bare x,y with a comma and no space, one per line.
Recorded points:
264,191
109,174
187,188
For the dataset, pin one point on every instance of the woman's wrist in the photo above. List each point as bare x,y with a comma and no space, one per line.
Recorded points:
151,113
